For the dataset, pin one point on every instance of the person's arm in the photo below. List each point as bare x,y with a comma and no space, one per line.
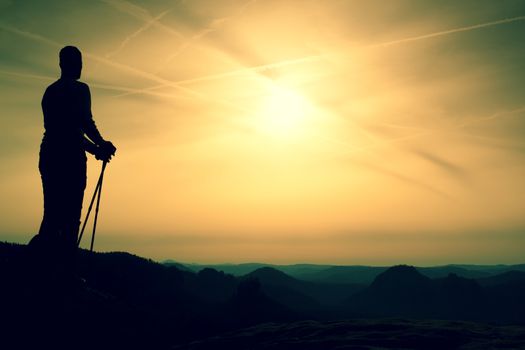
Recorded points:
102,149
89,146
88,124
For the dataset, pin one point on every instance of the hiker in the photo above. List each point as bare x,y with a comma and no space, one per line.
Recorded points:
66,106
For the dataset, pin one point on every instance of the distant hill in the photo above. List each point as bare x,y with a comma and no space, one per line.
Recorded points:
493,269
344,274
232,269
366,274
444,271
402,291
243,269
351,274
178,265
310,298
503,278
398,291
505,294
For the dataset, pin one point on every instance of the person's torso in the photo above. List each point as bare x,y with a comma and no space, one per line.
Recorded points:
64,107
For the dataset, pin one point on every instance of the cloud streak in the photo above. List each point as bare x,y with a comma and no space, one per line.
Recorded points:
401,177
386,142
319,57
26,75
143,15
214,26
91,84
450,31
125,68
449,167
135,34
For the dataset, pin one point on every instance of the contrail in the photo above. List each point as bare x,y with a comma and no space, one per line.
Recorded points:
96,58
30,35
313,58
238,125
250,70
142,14
126,68
318,57
27,75
211,28
435,131
451,31
135,34
91,84
401,177
493,116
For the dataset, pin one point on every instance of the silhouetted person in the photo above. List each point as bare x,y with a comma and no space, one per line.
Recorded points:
66,106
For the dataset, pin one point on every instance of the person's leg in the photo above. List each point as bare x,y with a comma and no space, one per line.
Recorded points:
49,231
50,226
72,210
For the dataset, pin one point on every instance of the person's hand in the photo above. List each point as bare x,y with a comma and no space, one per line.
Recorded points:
109,147
105,151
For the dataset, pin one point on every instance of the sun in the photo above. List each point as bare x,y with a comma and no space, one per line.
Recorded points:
283,113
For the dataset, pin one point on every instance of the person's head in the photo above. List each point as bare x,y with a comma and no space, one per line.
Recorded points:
70,62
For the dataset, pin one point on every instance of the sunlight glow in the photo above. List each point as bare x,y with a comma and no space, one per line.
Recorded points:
284,113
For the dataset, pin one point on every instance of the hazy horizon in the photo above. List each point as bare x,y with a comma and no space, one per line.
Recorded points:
186,263
338,132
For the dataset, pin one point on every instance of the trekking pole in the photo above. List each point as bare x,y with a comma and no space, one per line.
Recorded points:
97,192
98,206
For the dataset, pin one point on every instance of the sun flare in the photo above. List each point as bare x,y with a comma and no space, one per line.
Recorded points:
284,113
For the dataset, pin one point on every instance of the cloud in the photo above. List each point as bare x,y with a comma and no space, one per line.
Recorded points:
401,177
447,166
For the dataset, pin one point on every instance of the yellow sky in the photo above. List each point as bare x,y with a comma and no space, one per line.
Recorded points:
283,131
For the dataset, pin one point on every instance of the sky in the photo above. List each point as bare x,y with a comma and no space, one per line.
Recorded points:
282,131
